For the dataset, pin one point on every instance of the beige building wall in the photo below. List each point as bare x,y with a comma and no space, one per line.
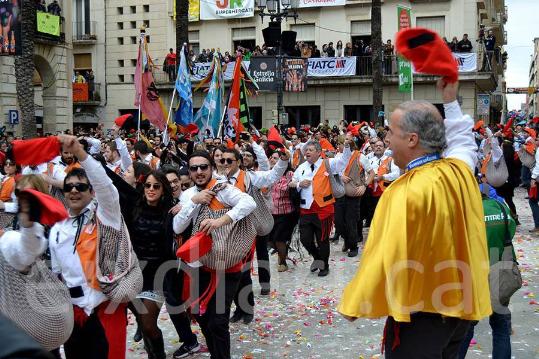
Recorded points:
331,24
54,63
533,100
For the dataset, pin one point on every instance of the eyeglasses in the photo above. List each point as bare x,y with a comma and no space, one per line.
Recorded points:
80,187
246,155
152,185
195,168
227,160
9,163
185,186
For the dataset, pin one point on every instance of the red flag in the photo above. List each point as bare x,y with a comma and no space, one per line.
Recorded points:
274,138
147,96
232,125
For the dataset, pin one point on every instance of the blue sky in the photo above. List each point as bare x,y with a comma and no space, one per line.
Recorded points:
522,26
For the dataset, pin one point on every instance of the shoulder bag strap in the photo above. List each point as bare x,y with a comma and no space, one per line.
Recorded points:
507,240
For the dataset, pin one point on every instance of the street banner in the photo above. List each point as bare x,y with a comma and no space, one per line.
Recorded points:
404,20
226,9
295,74
264,71
48,23
80,92
483,104
467,61
319,3
331,66
10,27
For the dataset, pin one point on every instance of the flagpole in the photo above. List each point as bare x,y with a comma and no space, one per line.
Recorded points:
142,33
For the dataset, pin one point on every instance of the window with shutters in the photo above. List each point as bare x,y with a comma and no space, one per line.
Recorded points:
244,37
434,23
305,32
360,32
194,41
82,62
360,28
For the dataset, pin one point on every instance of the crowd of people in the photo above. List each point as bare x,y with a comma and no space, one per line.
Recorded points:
211,203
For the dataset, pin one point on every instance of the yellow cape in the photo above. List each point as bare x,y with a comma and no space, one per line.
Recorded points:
426,250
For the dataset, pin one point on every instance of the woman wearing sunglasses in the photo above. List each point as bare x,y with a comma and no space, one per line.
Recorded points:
150,227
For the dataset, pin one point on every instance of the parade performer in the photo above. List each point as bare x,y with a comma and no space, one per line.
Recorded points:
425,264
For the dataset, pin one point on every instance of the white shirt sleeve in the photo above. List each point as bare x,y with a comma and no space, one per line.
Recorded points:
394,172
95,145
459,136
242,204
535,170
261,158
22,248
108,199
183,218
261,179
339,164
125,157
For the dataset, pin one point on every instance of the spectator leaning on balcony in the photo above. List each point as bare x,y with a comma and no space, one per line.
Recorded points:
464,45
348,49
54,8
170,64
339,48
490,47
453,45
41,6
331,50
79,79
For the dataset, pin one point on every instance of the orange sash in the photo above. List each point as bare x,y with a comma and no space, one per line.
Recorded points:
240,182
485,163
355,156
86,249
322,188
530,147
382,170
7,189
215,204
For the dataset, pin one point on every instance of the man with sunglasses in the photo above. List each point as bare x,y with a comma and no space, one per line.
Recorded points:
215,321
248,181
99,331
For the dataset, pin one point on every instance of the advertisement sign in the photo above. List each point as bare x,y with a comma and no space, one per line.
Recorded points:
264,71
48,23
483,105
194,10
295,74
404,19
319,3
10,27
467,61
226,9
331,66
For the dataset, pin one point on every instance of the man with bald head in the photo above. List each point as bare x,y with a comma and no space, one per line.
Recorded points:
425,265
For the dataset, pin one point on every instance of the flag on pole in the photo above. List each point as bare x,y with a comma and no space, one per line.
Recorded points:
209,115
147,97
232,125
183,86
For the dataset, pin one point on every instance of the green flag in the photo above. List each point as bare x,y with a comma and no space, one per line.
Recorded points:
404,18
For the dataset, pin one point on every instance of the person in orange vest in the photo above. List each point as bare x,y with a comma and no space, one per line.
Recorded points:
56,172
385,172
145,155
214,322
296,151
356,176
316,208
246,181
117,155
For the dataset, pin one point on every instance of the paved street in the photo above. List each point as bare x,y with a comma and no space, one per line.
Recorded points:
299,320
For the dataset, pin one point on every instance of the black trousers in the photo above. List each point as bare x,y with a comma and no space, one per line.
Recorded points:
340,223
426,336
214,323
244,298
88,341
178,316
314,238
353,229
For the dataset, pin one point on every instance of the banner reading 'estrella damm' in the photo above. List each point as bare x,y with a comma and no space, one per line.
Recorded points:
226,9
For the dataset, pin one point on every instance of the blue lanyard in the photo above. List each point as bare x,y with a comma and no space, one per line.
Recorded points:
423,160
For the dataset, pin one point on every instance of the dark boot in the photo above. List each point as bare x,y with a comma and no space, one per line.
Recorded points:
155,348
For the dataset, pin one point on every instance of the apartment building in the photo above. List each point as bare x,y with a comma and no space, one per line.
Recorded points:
53,59
113,60
533,99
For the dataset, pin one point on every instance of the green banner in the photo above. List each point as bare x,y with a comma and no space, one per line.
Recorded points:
405,75
404,19
48,24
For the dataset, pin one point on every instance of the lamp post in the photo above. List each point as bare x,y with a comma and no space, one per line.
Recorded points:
277,10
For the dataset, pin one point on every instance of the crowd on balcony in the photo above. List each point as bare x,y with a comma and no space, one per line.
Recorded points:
52,8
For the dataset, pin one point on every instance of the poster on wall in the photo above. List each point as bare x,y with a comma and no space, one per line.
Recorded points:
194,10
10,27
264,71
295,74
226,9
48,24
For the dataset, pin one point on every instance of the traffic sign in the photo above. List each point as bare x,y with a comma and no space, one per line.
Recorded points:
13,117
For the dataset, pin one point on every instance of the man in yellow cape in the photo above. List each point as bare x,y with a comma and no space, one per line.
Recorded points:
425,265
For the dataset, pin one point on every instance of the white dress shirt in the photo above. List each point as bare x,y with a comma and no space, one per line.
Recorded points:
21,248
261,179
261,158
394,171
125,157
304,172
64,259
241,206
39,169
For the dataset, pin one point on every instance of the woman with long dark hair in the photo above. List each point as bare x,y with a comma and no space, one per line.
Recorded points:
150,227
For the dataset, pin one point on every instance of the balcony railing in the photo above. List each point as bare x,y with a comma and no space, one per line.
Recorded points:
84,31
483,62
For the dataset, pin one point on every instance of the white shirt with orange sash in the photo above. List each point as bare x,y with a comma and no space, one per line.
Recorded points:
75,264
